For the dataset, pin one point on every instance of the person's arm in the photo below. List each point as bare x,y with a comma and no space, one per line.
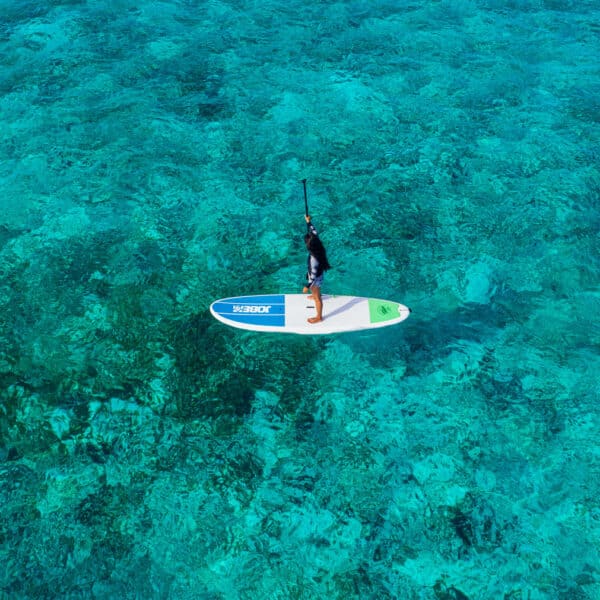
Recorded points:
313,270
311,227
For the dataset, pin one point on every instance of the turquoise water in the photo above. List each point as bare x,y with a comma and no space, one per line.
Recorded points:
150,163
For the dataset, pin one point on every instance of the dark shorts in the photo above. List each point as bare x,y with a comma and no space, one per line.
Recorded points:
318,282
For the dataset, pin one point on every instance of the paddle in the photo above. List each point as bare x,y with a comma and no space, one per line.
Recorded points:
305,203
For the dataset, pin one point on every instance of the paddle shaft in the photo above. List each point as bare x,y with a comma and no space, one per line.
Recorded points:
305,201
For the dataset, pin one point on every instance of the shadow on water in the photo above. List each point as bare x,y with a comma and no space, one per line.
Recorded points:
218,370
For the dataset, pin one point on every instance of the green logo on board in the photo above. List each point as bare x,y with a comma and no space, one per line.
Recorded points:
381,310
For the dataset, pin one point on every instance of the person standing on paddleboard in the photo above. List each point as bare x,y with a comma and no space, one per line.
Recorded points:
317,265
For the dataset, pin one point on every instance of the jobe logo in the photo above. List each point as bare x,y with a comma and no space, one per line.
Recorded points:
243,308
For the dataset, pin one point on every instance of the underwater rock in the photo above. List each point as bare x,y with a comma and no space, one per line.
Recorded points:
60,422
478,284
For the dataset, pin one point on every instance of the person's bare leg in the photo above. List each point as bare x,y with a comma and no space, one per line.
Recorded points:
316,293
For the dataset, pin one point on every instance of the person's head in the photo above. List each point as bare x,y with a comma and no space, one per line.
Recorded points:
315,246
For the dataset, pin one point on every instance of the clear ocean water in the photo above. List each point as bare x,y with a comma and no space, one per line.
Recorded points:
151,161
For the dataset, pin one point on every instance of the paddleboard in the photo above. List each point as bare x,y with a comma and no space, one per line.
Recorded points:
288,313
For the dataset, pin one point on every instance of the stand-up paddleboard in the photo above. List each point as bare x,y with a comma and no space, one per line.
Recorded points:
288,313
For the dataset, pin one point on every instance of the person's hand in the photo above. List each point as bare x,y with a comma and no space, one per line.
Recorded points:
307,217
305,290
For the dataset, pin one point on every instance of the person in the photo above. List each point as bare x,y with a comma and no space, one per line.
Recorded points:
317,265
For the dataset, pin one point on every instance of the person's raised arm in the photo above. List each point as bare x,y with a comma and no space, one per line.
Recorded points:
311,227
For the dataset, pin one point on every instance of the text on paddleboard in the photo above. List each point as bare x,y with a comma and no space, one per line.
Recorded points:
244,308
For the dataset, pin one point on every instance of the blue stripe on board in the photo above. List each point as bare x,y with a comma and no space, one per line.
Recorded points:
267,310
235,308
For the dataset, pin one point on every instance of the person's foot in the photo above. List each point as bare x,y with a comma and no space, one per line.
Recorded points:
311,297
315,320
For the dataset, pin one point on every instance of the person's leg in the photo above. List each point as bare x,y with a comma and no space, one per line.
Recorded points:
316,294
